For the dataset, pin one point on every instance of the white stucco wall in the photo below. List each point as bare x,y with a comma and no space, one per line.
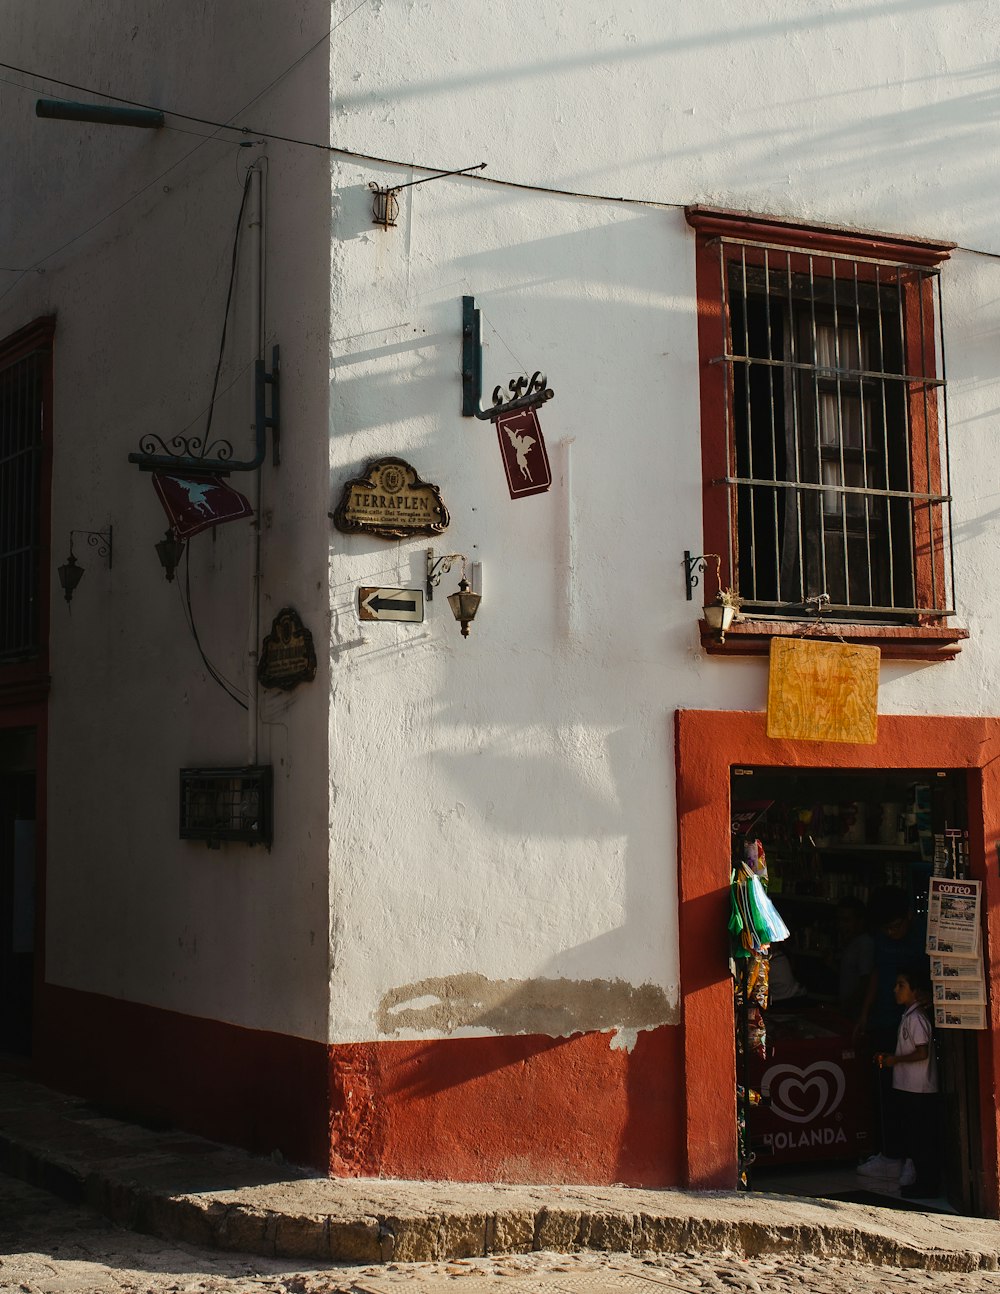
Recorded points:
237,934
471,836
503,808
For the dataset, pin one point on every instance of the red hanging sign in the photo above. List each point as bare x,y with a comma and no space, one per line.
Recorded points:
523,451
193,503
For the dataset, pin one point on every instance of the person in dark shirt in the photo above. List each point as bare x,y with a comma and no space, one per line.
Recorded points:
857,955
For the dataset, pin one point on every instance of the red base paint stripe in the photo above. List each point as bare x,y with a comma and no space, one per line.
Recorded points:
512,1109
247,1087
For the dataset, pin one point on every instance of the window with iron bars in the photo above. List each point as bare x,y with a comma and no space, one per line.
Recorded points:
824,421
24,382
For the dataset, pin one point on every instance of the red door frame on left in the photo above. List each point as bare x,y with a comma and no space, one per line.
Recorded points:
33,717
24,685
709,744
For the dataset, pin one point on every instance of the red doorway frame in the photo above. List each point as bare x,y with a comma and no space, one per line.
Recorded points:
709,744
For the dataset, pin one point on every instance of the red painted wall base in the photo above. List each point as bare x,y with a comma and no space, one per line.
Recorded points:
514,1109
263,1091
521,1109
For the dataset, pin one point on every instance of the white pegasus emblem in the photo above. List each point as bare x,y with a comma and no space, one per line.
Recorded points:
197,492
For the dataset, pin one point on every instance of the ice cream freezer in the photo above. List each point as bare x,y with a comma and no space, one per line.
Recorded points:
818,1090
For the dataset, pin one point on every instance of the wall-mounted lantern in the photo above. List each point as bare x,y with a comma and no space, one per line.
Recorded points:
720,614
385,205
71,572
170,550
465,603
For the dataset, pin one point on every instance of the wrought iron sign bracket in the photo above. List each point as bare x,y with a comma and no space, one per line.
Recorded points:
191,454
526,392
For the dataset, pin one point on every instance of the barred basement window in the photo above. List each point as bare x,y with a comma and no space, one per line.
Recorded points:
23,386
824,420
226,804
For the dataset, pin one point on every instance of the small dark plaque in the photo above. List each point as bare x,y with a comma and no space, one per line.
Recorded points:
391,501
287,656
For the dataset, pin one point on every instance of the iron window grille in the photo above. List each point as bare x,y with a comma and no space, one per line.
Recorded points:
22,387
226,804
837,480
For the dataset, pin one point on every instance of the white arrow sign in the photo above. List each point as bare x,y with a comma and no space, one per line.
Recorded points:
391,604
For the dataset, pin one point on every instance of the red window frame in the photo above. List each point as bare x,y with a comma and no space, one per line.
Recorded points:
928,636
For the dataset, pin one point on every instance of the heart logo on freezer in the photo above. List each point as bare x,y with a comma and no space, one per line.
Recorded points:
801,1095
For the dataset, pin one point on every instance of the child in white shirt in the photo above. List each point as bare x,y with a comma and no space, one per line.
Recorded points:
915,1085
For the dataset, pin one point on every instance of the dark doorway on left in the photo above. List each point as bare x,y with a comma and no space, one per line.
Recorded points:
17,890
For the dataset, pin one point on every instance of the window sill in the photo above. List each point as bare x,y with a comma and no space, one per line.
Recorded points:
23,683
897,642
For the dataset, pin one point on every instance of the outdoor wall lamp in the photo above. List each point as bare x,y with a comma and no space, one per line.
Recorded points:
465,603
169,550
385,205
720,614
71,572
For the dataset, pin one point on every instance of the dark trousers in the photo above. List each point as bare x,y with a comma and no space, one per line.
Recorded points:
889,1131
914,1131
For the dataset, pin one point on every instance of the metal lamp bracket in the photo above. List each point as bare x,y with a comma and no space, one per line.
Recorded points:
385,201
694,567
191,454
526,392
100,540
437,567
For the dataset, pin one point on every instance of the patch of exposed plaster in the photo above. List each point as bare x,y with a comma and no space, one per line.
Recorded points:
415,1004
552,1007
624,1040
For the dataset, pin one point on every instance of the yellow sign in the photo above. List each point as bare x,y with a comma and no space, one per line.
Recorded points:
822,691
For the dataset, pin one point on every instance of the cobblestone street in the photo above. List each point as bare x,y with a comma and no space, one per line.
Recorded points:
48,1247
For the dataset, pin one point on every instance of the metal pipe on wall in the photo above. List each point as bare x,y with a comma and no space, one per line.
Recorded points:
257,285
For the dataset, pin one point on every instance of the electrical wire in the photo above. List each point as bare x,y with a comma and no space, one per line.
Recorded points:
329,148
240,373
227,686
302,57
107,215
229,302
503,342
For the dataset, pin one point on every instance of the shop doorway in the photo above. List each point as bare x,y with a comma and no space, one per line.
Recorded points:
836,842
17,891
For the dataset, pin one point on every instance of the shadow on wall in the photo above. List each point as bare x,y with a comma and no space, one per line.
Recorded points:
793,137
725,36
580,1079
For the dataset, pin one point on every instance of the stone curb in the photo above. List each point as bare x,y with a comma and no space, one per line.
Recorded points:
216,1224
437,1237
144,1182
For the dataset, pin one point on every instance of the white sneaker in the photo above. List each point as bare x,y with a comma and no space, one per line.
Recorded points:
909,1174
880,1166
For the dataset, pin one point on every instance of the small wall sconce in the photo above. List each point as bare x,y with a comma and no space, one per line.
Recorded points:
465,603
385,203
720,614
71,572
169,550
385,206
